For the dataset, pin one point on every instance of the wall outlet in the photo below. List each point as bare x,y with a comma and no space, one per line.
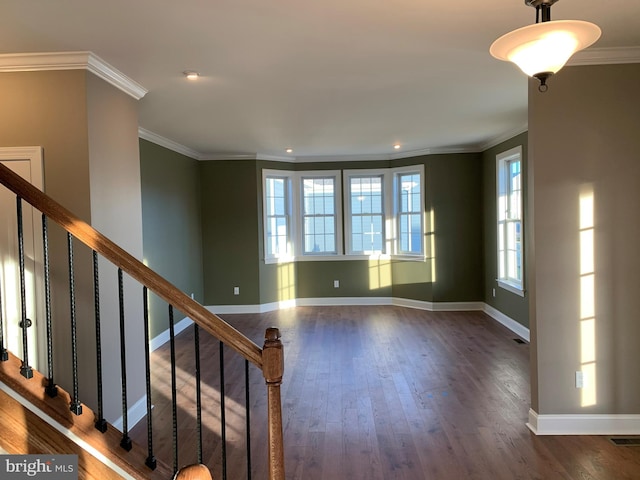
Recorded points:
493,292
336,284
192,297
236,290
579,379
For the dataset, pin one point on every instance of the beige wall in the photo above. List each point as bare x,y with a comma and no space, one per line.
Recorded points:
116,211
82,123
584,144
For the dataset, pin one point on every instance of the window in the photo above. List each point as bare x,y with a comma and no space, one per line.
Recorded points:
302,214
367,214
383,214
410,206
277,214
319,215
509,216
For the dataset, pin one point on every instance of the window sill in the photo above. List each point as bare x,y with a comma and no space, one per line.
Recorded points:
510,287
345,258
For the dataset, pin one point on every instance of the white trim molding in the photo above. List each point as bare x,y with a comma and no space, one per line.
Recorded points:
34,62
350,301
168,144
508,322
583,424
606,56
159,340
498,316
494,142
134,414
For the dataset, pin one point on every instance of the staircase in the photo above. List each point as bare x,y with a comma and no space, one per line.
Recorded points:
38,416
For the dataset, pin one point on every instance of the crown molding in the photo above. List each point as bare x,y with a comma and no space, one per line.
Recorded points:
169,144
228,156
179,148
606,56
35,62
273,158
435,151
504,137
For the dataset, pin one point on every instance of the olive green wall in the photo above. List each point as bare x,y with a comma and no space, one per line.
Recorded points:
583,150
172,224
512,305
453,198
455,191
230,235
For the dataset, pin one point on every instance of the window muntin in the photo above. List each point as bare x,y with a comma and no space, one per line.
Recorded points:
383,208
366,218
276,207
410,208
509,219
319,215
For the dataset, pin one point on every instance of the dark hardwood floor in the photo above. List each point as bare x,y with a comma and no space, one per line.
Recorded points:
379,393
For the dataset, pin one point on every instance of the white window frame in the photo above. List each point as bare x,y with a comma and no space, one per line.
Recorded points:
337,201
397,173
505,216
391,207
270,257
351,174
295,230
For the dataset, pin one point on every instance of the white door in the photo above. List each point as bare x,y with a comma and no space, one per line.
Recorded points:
26,162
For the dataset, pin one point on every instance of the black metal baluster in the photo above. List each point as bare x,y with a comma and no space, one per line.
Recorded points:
101,423
151,460
25,370
174,400
126,441
75,406
223,421
4,355
51,389
248,416
196,331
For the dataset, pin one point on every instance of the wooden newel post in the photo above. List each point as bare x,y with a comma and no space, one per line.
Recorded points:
273,369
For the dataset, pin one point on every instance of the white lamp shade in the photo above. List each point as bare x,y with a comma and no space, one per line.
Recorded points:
545,47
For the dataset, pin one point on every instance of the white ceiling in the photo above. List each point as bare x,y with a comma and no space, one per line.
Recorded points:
326,78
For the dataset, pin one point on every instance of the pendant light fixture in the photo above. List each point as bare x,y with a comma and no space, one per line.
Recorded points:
540,50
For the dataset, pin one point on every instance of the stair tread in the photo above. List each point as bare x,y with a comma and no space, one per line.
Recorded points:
57,408
26,433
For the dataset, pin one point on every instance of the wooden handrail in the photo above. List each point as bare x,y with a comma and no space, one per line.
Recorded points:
132,266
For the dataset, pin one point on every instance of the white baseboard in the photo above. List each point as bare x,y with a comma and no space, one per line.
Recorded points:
136,413
262,308
458,306
497,315
342,301
348,301
508,322
579,424
163,338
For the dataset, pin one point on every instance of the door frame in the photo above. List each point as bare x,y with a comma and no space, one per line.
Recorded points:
34,155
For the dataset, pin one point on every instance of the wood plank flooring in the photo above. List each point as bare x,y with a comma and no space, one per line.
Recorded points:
379,393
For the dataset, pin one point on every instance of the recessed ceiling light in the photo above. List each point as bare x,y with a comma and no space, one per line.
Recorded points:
289,150
191,75
397,146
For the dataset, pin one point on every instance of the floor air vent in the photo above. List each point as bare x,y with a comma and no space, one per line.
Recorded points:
626,442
